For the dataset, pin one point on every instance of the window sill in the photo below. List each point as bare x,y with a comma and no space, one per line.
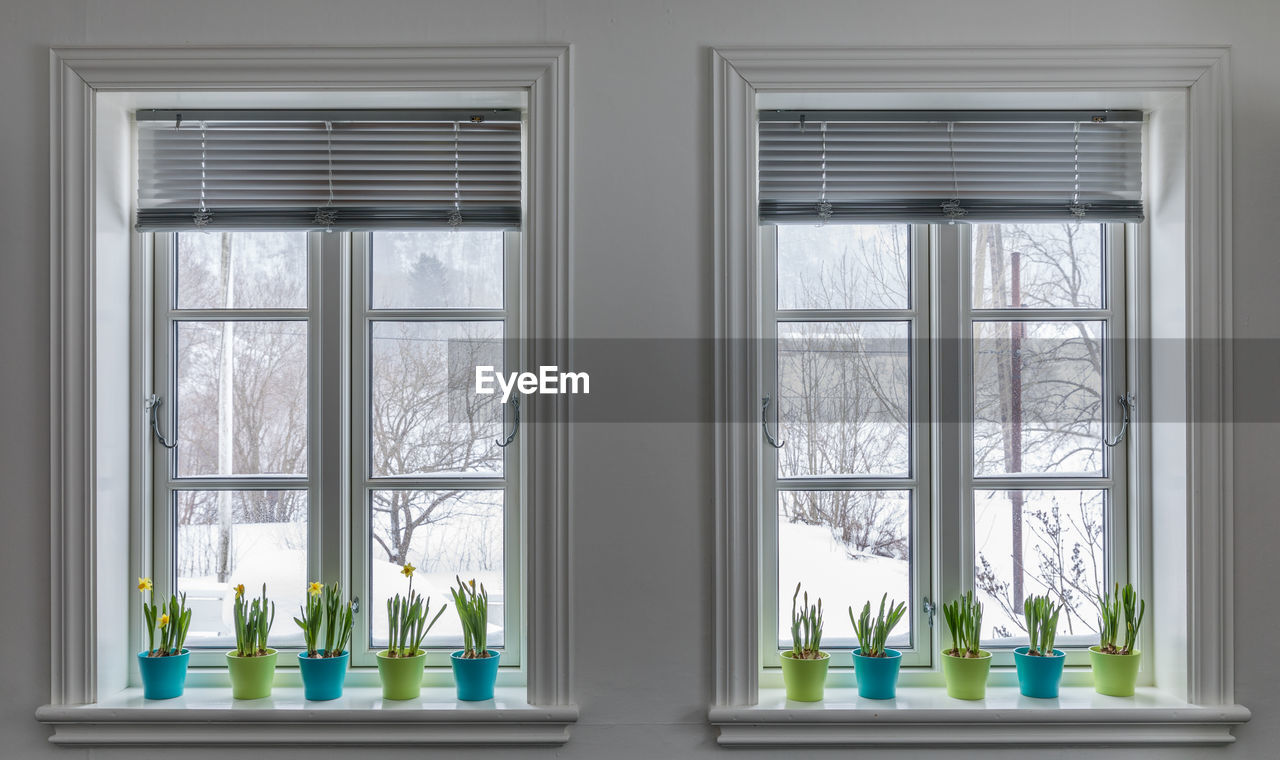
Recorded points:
927,717
210,717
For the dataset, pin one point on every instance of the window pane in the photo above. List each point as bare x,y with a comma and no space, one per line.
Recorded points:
242,270
1037,398
242,398
443,534
231,537
847,547
844,398
844,266
437,269
426,416
1038,266
1059,538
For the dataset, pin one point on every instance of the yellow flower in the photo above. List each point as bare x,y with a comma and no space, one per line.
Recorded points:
164,620
315,588
407,570
144,584
239,590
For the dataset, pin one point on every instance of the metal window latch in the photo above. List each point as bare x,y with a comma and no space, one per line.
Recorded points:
930,609
153,404
1126,402
355,604
764,423
515,408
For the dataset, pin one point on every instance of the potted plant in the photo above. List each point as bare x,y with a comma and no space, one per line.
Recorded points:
400,665
164,667
1115,666
804,668
1039,664
253,665
965,665
323,668
475,666
874,665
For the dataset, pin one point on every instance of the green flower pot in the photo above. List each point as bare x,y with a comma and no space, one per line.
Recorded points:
967,676
805,679
251,677
1114,674
401,676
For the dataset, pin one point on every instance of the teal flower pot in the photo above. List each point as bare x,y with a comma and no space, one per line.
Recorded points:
475,678
877,676
322,677
1039,677
163,677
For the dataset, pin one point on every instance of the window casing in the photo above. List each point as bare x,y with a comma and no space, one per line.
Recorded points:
941,490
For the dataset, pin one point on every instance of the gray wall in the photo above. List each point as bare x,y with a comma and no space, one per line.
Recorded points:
643,493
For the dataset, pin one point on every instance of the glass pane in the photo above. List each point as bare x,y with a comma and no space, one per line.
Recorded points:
242,270
844,266
231,537
443,534
242,398
844,398
1037,266
437,269
848,548
1037,398
1059,540
426,416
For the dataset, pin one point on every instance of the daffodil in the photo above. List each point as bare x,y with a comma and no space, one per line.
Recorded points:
239,590
315,588
144,584
407,570
164,620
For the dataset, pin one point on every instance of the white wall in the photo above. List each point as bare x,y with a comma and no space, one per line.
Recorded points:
641,69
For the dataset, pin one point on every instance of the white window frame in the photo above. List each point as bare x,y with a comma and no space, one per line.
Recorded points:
1187,282
95,361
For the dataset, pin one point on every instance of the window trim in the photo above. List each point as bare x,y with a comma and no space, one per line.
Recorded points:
1189,86
91,365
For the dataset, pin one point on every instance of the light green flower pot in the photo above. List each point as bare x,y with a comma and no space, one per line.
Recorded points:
805,679
401,676
251,677
1114,674
967,676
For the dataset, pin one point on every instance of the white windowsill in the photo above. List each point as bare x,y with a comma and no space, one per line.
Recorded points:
927,717
210,717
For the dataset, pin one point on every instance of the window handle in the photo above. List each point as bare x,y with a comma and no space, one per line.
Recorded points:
505,442
764,423
1126,402
153,404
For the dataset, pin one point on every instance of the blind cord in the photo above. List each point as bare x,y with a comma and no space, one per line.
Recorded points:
326,216
202,216
952,209
824,207
1077,209
455,216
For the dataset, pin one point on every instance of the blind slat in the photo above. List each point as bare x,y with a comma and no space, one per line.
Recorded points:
261,174
908,170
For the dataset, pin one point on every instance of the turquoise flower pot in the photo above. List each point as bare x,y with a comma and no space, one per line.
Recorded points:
163,677
322,677
877,676
1039,677
475,678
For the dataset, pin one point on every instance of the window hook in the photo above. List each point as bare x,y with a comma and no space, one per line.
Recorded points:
505,442
153,404
1127,403
764,423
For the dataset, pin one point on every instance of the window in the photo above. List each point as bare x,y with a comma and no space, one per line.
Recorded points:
320,381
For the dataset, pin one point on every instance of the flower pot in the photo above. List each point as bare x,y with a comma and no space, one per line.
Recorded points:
163,677
1039,676
1114,674
877,676
322,677
967,676
401,676
251,677
475,677
805,679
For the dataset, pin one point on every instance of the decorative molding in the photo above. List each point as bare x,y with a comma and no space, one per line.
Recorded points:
77,74
738,74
